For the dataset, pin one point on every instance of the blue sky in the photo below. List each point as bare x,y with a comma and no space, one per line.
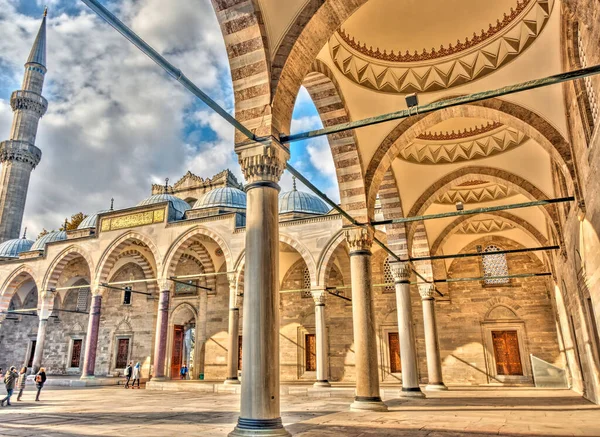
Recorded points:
116,122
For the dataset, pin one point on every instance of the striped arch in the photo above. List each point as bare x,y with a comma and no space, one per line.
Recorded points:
327,255
182,243
325,92
203,258
304,253
142,261
60,262
19,276
111,254
289,272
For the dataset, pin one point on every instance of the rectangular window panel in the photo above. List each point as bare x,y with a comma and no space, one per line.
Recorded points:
394,343
31,354
310,343
82,298
122,353
127,297
240,352
188,288
76,353
506,352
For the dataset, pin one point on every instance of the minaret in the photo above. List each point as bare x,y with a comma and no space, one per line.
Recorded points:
19,155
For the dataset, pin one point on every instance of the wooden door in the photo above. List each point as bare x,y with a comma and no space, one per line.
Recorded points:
310,344
31,354
76,353
122,353
177,351
506,351
240,352
394,342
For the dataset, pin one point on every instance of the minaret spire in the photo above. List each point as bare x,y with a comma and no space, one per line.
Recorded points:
19,155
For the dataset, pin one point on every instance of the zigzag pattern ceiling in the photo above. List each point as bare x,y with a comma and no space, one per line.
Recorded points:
484,226
434,152
476,194
407,77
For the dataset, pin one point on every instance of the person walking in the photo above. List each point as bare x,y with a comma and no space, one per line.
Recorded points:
22,382
184,371
10,379
136,375
128,372
40,379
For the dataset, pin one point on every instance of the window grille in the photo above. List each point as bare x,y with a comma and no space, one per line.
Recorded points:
306,283
494,265
388,278
82,298
589,88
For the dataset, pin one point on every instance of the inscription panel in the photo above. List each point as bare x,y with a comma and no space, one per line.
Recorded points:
133,220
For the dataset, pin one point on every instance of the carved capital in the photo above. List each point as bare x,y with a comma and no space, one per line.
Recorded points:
232,278
20,151
426,291
359,239
400,271
164,284
46,304
263,162
319,296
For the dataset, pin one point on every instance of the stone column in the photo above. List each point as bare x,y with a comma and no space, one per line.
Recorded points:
406,333
320,297
234,329
44,314
162,330
91,340
262,165
432,346
363,321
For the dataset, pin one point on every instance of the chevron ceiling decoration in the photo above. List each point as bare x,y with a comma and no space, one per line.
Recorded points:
475,194
478,147
363,66
484,226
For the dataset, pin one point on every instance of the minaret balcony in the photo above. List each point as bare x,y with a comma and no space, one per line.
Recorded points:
21,151
28,100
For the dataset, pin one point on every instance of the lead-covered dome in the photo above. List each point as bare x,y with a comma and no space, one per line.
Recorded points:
12,248
226,197
177,206
40,243
91,220
300,202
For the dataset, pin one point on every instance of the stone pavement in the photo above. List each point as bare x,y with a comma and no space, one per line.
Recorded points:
469,412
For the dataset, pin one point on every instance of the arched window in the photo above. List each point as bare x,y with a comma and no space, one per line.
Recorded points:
587,101
494,264
387,277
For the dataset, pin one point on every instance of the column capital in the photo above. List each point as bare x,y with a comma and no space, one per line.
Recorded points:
164,284
47,302
359,239
426,290
319,296
232,278
400,271
262,162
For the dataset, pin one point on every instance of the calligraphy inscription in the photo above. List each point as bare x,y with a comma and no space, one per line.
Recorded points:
133,220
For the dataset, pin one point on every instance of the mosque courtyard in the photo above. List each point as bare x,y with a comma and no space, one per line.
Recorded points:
467,411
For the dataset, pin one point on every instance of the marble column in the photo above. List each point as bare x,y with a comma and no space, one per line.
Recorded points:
262,165
320,297
234,329
44,314
162,330
367,397
432,346
406,334
91,340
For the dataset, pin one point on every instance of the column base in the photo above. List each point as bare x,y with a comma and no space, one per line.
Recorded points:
259,428
322,383
158,378
412,392
87,377
440,386
362,403
231,381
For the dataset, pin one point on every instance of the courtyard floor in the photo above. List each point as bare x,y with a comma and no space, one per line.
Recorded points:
113,411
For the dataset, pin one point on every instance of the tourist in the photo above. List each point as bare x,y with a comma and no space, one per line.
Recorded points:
22,382
40,379
128,371
136,375
9,382
184,371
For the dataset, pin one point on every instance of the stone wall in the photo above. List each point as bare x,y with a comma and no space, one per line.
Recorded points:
16,334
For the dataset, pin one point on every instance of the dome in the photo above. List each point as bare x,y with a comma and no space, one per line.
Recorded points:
227,197
90,220
301,202
176,205
12,248
40,243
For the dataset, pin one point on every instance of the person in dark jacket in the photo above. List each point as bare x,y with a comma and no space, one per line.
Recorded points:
10,379
22,382
128,372
40,379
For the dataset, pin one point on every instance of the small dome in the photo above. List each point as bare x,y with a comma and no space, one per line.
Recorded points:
90,220
301,202
176,205
227,197
40,243
12,248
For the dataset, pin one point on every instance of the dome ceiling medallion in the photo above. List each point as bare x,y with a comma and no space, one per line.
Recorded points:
482,192
447,67
443,151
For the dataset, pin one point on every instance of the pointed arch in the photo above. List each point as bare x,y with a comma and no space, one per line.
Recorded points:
60,262
17,277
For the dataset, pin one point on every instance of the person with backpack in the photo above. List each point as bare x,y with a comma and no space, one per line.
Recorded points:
184,371
10,379
128,372
40,379
22,382
136,375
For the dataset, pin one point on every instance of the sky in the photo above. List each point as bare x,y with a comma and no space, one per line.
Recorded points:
116,122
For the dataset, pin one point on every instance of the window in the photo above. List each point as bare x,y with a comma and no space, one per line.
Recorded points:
394,344
388,278
122,353
31,354
82,298
127,296
494,265
239,352
76,353
588,104
306,283
310,344
506,352
188,288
